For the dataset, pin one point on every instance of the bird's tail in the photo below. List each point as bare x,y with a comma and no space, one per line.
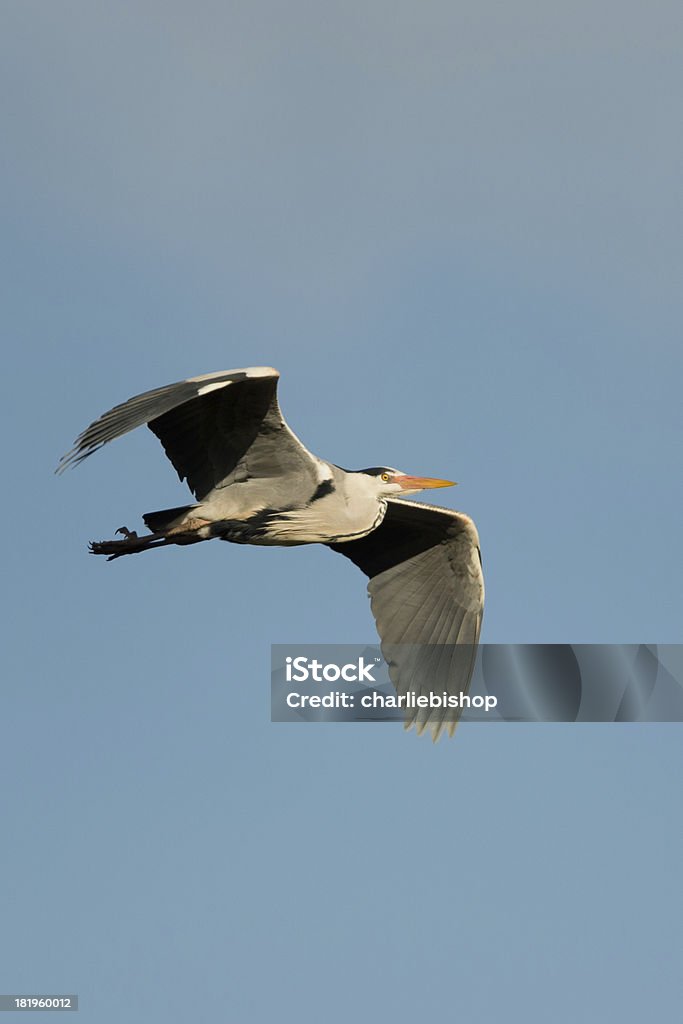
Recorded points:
159,522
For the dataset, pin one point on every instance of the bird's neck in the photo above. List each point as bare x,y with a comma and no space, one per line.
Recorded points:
364,508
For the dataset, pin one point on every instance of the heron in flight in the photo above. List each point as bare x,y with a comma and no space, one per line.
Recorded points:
255,483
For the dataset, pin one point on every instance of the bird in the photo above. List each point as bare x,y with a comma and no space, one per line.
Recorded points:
256,483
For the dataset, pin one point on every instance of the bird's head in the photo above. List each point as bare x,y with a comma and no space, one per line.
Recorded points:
392,482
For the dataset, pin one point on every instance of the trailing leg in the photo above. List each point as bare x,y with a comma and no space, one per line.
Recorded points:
132,544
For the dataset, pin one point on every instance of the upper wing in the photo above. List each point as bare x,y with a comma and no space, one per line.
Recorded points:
211,426
427,596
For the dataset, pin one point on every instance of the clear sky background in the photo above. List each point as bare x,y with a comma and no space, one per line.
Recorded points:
456,230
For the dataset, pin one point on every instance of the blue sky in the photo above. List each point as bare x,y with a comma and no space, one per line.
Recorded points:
456,230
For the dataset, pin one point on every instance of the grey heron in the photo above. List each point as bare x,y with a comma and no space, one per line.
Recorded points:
255,483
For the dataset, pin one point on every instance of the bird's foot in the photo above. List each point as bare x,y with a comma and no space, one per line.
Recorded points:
128,534
130,544
111,548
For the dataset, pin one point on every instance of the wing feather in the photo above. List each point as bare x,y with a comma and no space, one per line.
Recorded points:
215,429
427,596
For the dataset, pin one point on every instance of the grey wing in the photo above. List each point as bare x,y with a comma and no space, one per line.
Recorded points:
214,428
427,596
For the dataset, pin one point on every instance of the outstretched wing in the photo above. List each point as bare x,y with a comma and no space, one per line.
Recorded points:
427,596
210,427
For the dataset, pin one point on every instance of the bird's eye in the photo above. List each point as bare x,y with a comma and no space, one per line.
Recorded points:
386,477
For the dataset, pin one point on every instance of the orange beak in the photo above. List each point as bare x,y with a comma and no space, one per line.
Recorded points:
421,483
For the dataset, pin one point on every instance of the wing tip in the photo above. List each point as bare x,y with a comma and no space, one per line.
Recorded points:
436,729
75,456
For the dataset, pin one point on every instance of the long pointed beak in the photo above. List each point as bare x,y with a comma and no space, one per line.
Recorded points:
421,483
